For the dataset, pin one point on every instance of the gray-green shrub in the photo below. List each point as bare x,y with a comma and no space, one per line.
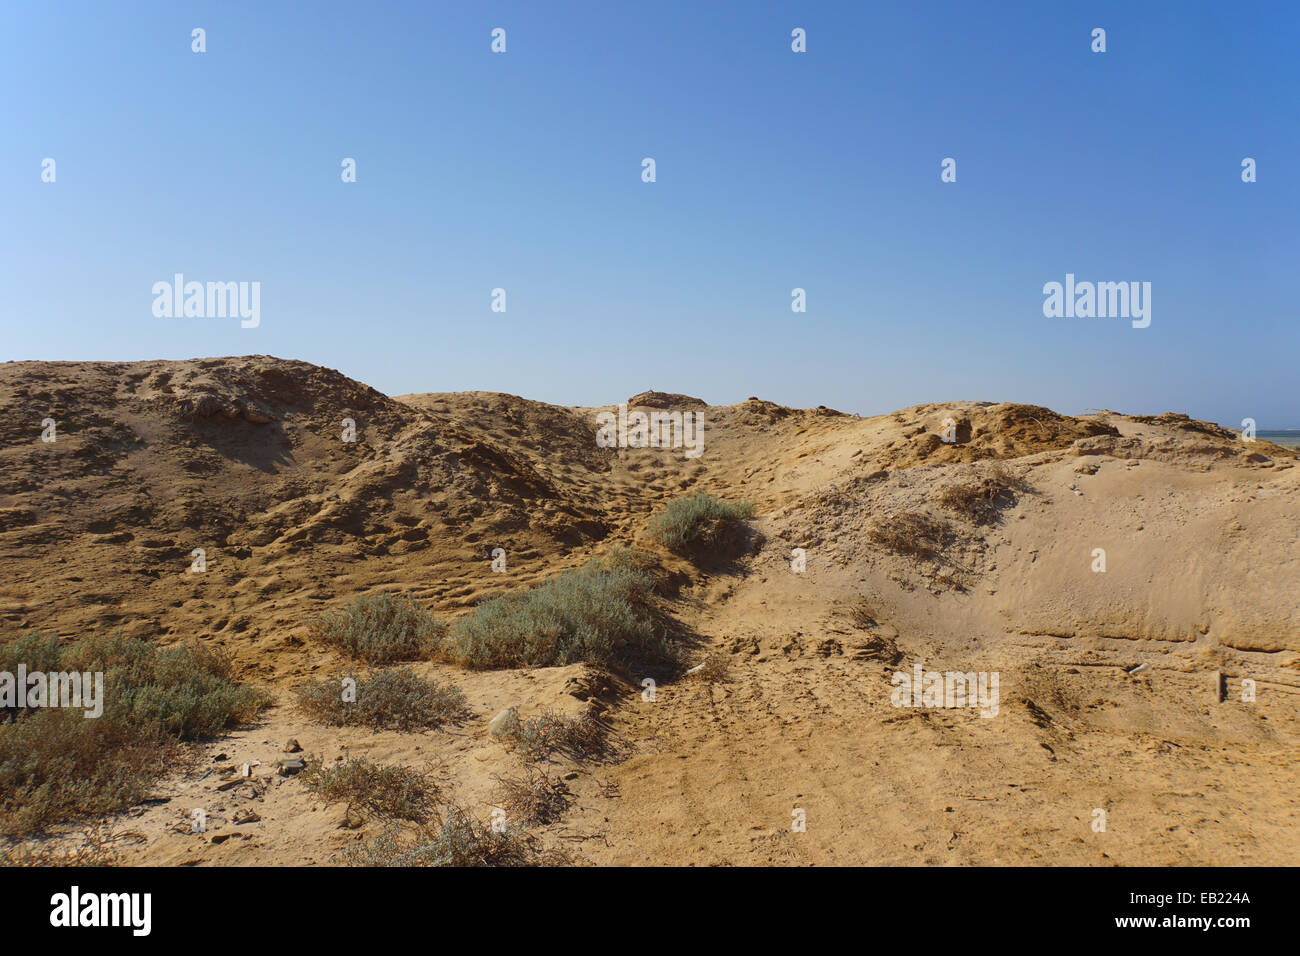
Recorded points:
701,524
381,628
56,763
596,614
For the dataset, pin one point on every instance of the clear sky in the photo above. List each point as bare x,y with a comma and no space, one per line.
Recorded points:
775,170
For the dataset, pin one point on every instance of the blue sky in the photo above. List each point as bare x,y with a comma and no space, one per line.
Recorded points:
775,170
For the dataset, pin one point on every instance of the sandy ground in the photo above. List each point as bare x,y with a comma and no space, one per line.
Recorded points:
799,757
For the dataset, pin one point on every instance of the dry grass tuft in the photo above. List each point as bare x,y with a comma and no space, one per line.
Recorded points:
980,495
580,738
716,669
387,700
532,799
455,838
863,614
373,790
912,534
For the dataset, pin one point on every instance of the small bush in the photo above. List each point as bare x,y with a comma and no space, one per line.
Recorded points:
597,614
701,524
534,798
34,651
380,629
579,737
979,496
372,790
716,668
915,535
387,700
457,838
56,763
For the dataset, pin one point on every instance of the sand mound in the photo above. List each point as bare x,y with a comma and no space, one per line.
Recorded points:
972,431
280,472
654,399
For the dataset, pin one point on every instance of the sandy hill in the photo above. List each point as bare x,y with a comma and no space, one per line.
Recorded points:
977,553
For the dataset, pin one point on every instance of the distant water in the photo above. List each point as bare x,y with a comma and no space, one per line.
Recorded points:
1290,437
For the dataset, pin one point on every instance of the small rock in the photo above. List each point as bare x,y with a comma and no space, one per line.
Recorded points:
292,747
291,765
256,413
504,723
245,816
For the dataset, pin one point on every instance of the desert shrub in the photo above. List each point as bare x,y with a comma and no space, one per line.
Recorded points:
380,629
537,738
980,495
533,798
701,524
597,614
56,763
187,691
386,700
455,838
34,651
912,534
716,668
372,790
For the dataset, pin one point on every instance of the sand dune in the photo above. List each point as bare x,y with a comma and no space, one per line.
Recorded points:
977,554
